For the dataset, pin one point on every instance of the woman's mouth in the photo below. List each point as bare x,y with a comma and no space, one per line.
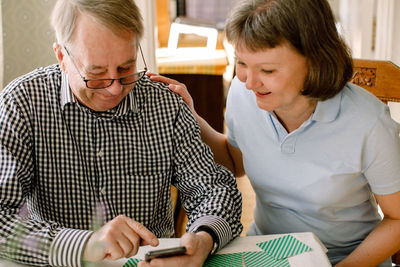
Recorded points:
260,94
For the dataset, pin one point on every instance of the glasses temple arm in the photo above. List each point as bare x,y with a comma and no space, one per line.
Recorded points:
144,61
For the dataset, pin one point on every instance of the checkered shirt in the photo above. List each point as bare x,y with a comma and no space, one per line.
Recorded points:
65,170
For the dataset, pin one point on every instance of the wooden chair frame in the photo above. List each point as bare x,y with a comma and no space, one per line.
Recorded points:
382,78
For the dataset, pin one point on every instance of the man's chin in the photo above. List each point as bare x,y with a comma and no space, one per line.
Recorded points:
106,104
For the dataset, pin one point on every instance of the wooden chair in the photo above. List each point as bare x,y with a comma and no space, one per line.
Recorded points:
180,218
382,78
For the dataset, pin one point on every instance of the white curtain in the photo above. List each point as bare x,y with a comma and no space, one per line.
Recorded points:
148,9
369,27
356,19
1,49
385,29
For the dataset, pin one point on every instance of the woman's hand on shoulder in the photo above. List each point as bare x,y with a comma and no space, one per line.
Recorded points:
174,86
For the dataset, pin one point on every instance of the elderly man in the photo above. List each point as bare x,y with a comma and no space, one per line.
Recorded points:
90,147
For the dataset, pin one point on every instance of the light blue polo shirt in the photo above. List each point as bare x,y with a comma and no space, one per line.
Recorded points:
321,177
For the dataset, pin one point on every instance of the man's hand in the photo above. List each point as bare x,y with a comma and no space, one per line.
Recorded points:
118,238
198,246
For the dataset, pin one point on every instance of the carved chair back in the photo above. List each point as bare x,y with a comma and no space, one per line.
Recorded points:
382,78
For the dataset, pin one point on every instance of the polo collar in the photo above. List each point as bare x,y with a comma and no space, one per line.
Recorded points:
328,110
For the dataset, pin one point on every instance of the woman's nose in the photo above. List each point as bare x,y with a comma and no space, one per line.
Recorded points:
252,80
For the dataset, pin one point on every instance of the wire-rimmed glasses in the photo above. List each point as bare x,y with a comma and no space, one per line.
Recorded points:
104,83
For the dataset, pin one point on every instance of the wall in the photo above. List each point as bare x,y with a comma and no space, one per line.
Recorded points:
27,36
396,35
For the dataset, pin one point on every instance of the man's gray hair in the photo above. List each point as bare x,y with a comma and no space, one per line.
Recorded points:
117,15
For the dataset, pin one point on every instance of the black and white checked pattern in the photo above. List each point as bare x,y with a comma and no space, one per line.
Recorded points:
74,169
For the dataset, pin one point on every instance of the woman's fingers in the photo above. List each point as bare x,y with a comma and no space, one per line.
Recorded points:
163,79
174,86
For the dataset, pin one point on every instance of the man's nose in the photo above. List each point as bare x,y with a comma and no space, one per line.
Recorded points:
115,88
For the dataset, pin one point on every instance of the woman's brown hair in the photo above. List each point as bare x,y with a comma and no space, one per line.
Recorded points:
308,26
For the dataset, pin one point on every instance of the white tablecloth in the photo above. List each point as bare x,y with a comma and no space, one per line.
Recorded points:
314,258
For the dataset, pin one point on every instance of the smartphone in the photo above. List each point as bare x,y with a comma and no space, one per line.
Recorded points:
167,252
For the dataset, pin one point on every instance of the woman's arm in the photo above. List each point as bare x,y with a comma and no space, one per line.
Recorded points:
224,153
384,240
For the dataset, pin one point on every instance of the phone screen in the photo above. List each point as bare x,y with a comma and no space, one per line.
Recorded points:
167,252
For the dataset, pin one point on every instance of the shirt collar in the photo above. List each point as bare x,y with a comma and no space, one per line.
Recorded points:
66,94
67,97
327,110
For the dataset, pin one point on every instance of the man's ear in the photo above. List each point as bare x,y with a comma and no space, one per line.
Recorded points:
59,55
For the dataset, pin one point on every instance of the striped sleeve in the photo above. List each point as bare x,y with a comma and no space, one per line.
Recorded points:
219,226
67,247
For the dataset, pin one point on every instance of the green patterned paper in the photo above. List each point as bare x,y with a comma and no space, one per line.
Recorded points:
275,253
132,262
231,260
257,259
284,247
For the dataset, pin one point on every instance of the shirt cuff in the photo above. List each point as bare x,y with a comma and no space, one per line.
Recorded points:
220,227
67,247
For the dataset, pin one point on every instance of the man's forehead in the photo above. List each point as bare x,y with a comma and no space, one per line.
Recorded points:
90,29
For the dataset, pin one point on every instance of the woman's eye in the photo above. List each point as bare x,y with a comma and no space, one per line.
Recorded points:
267,71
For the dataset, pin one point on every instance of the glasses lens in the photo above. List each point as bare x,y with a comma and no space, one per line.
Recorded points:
132,78
98,84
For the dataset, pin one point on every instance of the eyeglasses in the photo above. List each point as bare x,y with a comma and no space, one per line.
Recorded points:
104,83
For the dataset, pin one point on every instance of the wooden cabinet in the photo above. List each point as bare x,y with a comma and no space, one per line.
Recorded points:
207,93
202,72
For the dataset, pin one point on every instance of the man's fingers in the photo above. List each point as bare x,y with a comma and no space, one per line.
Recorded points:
189,241
128,247
120,237
171,261
143,264
148,238
123,246
135,242
114,252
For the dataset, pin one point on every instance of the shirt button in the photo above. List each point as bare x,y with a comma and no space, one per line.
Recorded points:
103,191
288,148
